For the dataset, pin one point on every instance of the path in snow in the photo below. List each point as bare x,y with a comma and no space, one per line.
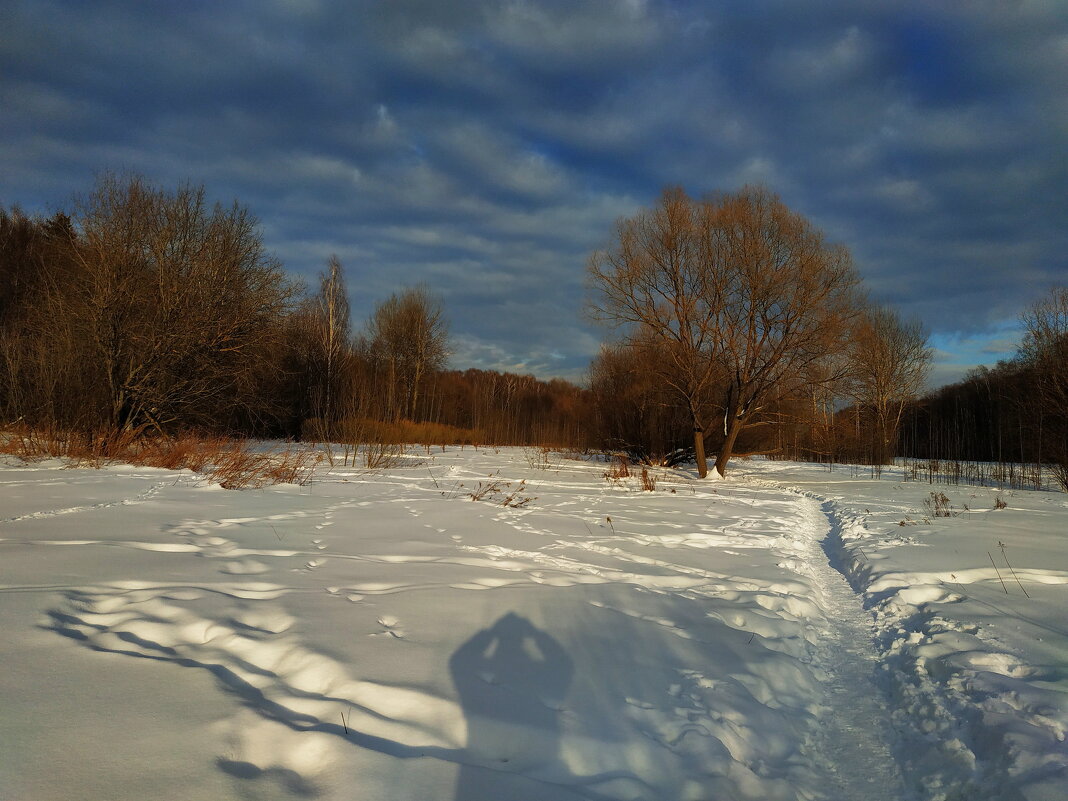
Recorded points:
852,739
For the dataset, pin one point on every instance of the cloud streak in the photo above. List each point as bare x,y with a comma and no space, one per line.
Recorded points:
485,148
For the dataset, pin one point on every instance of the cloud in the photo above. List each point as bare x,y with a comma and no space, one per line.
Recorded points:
486,147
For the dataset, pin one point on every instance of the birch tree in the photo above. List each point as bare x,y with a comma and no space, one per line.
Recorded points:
332,343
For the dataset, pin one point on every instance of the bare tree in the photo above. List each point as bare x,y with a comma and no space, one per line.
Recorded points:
636,411
1045,347
408,337
333,334
1045,352
740,295
659,285
174,300
889,363
788,297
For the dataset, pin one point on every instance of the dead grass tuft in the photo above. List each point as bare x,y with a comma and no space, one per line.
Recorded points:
648,482
538,456
938,505
231,463
618,470
382,455
358,430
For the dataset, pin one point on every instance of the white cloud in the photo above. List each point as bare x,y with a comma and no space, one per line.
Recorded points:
905,194
822,65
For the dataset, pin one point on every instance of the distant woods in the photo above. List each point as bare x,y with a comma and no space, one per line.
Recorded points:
738,328
1015,412
148,311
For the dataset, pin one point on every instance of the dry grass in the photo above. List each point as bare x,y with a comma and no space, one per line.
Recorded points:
618,470
538,456
500,491
359,430
184,451
381,455
231,463
240,467
80,449
938,505
648,482
1060,473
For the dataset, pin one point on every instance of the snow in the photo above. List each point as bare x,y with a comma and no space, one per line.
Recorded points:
381,635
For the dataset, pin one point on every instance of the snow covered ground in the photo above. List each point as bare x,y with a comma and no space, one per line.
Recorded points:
382,635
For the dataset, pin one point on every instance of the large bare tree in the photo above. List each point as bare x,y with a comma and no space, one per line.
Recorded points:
788,300
173,298
740,295
659,286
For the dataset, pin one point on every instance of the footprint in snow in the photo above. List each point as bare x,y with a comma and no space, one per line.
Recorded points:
244,567
391,627
340,592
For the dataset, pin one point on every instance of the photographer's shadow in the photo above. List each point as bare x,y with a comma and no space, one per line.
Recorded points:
512,680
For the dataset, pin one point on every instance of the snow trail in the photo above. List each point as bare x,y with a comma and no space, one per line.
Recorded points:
852,739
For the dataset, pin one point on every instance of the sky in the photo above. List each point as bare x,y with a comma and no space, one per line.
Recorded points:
486,148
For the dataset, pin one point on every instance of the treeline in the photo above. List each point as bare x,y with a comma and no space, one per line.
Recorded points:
144,311
147,311
1016,412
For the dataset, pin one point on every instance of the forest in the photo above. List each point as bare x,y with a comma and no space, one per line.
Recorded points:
732,327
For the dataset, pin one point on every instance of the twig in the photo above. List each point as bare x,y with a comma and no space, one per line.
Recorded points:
999,574
1006,558
344,723
954,577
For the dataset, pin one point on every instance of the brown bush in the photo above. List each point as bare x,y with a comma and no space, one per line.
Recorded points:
618,470
363,430
231,463
648,482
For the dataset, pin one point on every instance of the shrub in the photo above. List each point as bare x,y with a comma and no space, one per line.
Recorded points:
232,463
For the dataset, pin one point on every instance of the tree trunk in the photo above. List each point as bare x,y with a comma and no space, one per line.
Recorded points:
416,378
733,430
699,451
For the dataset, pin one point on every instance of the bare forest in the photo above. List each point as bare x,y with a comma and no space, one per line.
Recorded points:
143,313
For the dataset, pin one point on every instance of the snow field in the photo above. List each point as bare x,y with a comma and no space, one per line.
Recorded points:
384,636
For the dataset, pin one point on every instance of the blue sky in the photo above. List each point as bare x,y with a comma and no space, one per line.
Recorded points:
486,148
